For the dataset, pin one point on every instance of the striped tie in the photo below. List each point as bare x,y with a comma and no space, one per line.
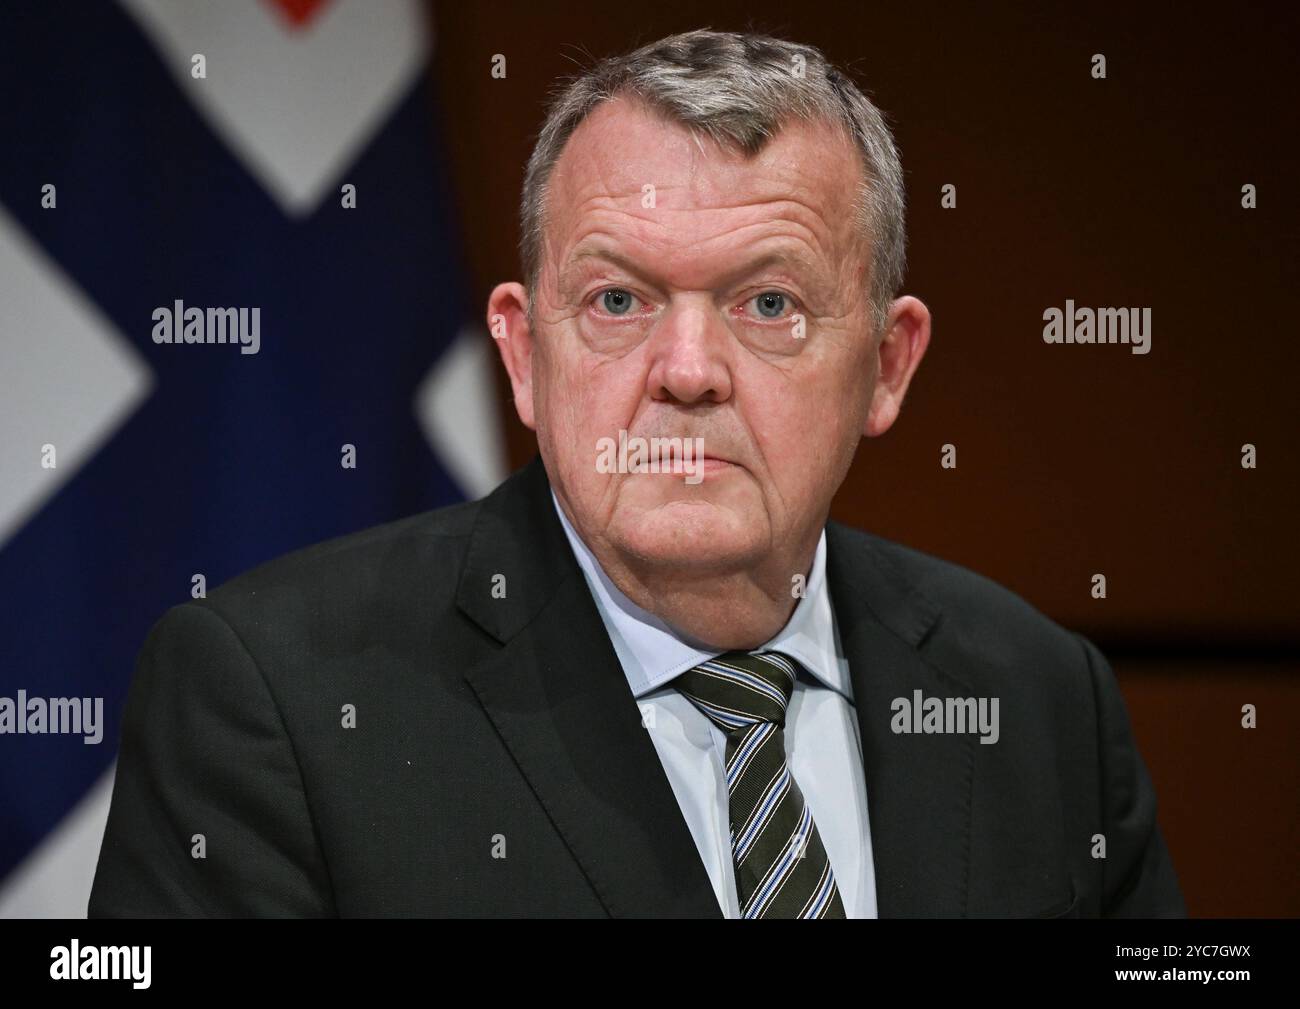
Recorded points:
782,870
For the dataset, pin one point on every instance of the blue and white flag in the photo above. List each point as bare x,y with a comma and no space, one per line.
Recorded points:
234,320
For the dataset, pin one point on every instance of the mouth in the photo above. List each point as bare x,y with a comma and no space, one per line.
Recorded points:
697,467
662,455
676,460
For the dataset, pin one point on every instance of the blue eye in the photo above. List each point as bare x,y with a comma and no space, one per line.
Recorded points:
616,301
770,304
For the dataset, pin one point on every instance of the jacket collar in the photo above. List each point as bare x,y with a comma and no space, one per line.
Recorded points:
918,786
559,699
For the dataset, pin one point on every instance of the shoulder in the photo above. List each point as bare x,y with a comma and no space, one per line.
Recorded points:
375,574
981,629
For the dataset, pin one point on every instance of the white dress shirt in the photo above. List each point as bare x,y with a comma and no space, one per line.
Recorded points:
822,744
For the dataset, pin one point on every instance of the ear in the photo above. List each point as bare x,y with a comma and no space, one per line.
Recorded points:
898,355
507,319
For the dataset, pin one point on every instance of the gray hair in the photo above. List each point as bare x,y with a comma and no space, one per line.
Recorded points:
739,90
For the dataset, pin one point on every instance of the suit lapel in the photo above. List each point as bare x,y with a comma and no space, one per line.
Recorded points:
558,697
918,786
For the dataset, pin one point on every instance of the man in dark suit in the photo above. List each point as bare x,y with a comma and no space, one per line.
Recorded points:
646,676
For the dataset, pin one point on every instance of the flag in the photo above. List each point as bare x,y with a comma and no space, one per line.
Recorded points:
234,321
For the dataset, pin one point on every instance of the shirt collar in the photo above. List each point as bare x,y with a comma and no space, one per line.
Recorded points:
652,653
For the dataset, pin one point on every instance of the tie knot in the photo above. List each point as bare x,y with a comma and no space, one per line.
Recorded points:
737,689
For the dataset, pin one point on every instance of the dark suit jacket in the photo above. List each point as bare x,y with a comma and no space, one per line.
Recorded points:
485,724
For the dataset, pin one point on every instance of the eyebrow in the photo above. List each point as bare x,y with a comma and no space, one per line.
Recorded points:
774,257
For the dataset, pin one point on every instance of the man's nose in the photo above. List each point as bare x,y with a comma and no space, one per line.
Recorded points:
691,349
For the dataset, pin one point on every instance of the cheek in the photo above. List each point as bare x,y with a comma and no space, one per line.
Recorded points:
804,427
605,395
582,397
845,396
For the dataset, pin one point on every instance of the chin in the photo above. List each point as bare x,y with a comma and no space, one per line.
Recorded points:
690,527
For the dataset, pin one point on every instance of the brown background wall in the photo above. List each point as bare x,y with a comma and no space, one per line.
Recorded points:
1072,460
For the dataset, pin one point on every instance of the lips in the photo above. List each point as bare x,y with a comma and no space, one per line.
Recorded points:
709,461
660,454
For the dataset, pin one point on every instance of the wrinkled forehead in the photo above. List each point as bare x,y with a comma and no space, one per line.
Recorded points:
630,157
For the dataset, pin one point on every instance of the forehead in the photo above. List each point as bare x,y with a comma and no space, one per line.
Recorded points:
803,182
